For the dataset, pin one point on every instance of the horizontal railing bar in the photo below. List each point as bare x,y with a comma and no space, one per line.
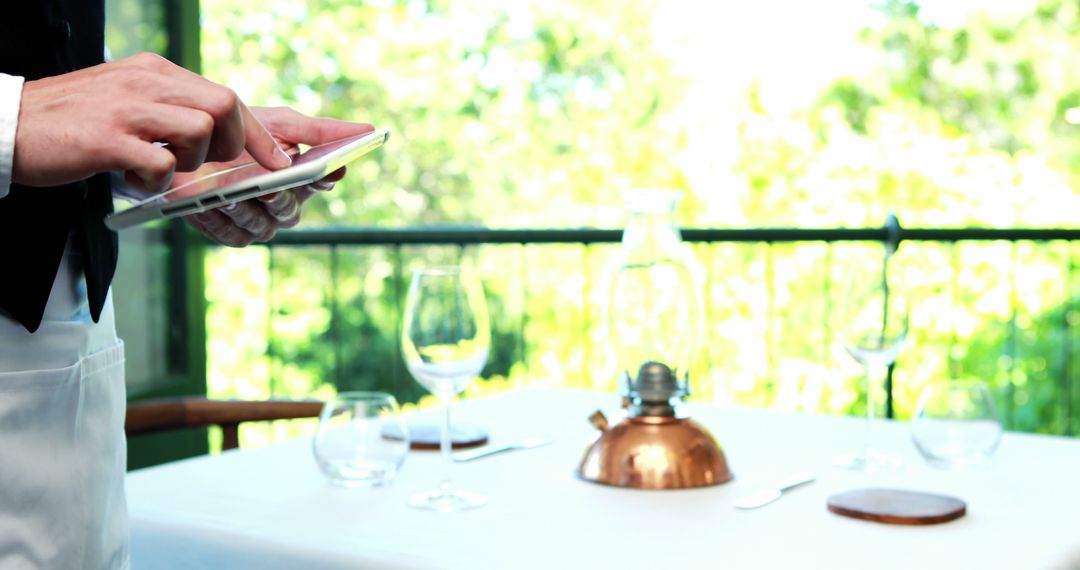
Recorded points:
480,235
990,234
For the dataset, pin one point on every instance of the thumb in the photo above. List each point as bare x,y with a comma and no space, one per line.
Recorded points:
153,165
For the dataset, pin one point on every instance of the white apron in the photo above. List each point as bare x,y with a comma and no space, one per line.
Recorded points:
62,446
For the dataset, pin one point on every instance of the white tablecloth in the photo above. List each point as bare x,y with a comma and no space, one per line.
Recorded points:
270,508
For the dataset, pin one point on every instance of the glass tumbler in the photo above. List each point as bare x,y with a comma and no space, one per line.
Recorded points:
956,424
349,446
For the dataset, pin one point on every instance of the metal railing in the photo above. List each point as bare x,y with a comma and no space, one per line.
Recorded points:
334,240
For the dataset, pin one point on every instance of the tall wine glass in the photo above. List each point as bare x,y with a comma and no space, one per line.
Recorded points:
445,342
874,325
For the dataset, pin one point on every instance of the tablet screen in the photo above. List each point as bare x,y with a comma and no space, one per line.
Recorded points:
216,185
214,176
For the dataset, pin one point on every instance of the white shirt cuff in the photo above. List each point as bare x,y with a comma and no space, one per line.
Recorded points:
10,98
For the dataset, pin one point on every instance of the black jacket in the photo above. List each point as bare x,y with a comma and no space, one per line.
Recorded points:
41,38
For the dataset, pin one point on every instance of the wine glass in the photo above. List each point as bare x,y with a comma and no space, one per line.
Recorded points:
445,342
874,325
956,425
349,446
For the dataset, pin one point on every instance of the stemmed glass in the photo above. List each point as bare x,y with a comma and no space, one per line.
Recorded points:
445,342
875,315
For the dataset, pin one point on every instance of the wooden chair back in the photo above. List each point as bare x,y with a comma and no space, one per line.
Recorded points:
150,416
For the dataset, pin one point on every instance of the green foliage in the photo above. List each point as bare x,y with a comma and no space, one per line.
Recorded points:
535,113
491,105
501,114
950,127
132,27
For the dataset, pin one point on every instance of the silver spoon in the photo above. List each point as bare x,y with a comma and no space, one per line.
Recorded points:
527,443
766,496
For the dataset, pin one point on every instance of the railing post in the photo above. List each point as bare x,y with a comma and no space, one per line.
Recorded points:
335,319
1067,363
523,320
772,373
892,243
270,352
893,233
399,308
1012,346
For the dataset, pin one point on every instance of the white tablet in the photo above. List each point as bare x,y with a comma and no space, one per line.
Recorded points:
244,181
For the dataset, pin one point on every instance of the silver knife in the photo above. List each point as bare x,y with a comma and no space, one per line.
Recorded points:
527,443
766,496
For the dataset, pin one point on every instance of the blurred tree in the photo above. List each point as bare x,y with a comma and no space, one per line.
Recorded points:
531,113
501,115
950,126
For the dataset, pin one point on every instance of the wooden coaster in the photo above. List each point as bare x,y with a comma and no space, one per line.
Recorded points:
895,506
429,435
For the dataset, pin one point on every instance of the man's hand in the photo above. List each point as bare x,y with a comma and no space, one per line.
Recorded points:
115,116
258,219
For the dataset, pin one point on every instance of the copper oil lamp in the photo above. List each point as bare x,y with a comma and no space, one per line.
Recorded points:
655,321
654,446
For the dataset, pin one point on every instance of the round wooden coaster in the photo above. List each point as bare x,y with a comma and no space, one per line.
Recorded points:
429,435
896,506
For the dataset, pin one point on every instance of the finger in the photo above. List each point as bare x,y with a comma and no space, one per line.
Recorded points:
335,176
228,141
250,216
133,179
188,131
291,126
235,126
260,144
266,236
171,84
152,164
282,206
220,228
303,193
